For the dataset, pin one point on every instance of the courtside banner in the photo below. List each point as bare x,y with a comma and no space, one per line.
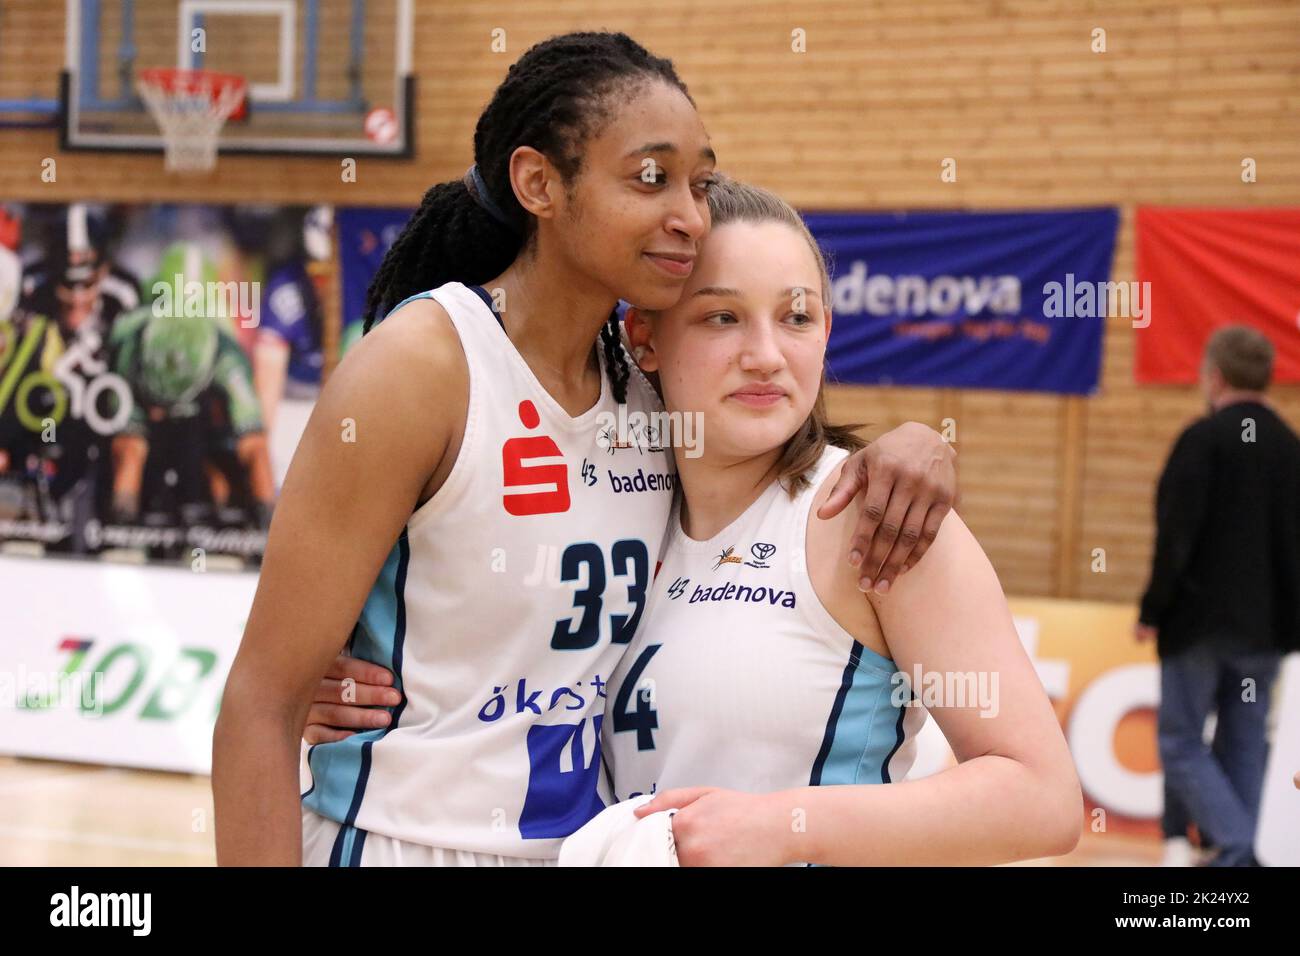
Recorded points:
1008,300
108,663
1213,267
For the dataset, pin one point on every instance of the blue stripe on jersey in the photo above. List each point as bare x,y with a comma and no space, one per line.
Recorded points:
342,841
478,290
862,729
898,742
340,769
357,845
828,736
348,844
482,293
304,796
410,298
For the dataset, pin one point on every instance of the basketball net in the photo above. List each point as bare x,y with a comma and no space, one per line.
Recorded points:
191,107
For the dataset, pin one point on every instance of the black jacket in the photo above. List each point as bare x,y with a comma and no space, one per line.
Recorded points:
1227,560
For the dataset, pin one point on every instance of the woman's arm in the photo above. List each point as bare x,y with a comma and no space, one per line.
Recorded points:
377,436
1013,795
905,482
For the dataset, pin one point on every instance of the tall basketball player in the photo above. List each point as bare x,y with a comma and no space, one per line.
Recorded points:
452,454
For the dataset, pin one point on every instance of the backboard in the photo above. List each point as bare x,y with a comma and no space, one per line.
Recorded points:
324,76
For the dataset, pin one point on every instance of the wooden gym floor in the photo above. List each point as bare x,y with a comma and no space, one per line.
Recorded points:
63,814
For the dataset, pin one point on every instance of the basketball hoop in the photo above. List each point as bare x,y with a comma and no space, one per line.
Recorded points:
190,107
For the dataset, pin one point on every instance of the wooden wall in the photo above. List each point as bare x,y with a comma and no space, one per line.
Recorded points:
1011,89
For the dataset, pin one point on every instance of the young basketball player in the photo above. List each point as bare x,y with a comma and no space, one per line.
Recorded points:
759,675
455,451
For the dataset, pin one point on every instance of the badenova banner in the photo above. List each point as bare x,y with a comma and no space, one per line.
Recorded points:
1006,300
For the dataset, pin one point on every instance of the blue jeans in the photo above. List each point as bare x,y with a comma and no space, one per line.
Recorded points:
1174,818
1219,787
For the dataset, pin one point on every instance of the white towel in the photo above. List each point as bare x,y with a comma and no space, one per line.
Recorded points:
615,837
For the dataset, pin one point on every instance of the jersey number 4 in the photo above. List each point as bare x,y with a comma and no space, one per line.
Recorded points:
642,718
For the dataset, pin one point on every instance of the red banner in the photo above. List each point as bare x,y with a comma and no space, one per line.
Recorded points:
1213,267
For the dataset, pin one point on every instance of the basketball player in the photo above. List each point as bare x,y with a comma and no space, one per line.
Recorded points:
452,455
759,675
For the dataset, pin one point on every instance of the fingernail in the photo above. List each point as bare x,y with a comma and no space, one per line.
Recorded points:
383,717
394,697
882,587
864,585
855,558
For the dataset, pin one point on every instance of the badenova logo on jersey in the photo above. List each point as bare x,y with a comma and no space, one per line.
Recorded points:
743,592
134,910
641,480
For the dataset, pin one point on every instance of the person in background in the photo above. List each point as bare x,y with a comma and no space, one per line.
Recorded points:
1223,603
287,354
68,304
193,449
77,283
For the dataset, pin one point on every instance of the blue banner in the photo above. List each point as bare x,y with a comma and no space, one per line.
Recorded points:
365,236
969,299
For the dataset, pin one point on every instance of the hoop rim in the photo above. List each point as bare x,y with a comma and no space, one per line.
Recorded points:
169,78
190,131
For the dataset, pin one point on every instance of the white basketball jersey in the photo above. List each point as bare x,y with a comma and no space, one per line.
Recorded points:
740,678
502,610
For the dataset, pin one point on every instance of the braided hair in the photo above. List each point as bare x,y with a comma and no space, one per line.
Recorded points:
557,96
